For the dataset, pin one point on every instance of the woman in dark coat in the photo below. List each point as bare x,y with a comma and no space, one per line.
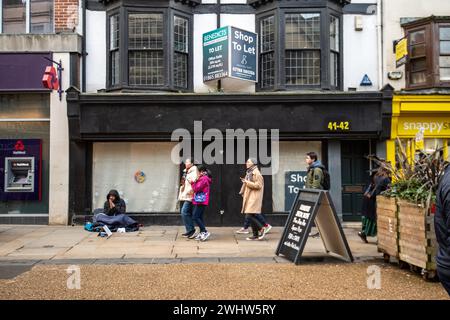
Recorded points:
379,182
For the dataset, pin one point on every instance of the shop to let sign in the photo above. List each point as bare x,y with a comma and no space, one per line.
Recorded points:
294,181
230,52
401,52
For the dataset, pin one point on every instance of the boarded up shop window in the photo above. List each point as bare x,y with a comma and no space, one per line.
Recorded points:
292,159
115,165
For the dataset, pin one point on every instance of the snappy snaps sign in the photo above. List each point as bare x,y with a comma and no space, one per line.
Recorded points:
230,52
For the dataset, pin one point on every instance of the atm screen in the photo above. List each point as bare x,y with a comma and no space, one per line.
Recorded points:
19,176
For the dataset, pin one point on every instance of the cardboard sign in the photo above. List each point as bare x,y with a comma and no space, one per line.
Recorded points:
313,206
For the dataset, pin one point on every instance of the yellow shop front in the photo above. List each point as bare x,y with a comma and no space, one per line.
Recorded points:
421,123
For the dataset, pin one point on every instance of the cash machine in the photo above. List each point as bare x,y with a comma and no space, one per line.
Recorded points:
20,169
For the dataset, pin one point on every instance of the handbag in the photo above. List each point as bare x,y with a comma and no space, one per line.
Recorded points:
200,197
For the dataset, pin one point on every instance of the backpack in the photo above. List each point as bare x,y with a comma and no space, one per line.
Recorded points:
326,182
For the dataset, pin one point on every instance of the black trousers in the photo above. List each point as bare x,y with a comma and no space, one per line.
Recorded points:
444,277
255,224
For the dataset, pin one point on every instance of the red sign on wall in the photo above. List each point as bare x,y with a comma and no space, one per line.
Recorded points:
50,79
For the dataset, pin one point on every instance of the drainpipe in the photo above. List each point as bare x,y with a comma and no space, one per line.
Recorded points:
219,10
380,43
83,49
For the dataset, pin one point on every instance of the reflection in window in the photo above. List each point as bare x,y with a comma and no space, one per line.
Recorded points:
444,56
145,44
41,16
418,59
180,65
302,43
14,16
334,51
267,52
114,48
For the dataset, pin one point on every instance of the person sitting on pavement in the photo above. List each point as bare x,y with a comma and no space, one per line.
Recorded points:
114,204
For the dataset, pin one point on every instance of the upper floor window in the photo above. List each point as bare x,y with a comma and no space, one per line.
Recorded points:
428,62
300,49
149,49
27,16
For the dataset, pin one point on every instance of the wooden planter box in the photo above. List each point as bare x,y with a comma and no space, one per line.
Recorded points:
387,226
417,239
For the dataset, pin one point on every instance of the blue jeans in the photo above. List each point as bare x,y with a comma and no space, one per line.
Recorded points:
198,217
186,216
260,218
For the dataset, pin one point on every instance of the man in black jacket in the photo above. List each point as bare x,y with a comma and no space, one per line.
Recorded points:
442,227
113,204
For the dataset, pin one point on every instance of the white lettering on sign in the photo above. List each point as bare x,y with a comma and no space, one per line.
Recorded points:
427,126
240,36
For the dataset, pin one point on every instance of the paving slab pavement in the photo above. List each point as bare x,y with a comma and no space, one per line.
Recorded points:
66,243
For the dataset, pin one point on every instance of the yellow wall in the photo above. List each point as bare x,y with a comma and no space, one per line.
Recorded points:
410,112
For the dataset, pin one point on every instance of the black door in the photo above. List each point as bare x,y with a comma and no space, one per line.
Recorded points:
355,175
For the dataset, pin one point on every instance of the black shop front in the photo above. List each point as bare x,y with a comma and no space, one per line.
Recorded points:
126,141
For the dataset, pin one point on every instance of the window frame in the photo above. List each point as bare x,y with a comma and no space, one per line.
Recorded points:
325,51
28,16
428,55
443,83
167,48
432,26
274,50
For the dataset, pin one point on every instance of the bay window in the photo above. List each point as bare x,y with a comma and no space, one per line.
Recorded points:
428,64
149,49
299,47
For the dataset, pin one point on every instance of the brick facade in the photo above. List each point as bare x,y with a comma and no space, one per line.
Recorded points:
66,15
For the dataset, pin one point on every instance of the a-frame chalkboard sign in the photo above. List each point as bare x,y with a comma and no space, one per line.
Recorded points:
313,205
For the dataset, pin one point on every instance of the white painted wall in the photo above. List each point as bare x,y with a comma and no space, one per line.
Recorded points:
393,11
59,149
360,52
202,23
96,49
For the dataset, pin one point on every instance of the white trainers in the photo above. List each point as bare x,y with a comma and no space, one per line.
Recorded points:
205,236
199,236
267,229
243,231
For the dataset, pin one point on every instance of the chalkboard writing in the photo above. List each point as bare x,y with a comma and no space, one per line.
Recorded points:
313,206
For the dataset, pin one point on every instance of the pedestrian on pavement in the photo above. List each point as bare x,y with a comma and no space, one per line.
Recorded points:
114,204
379,182
315,177
244,230
442,229
252,193
201,187
185,196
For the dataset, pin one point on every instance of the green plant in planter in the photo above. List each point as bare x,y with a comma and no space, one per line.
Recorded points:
415,181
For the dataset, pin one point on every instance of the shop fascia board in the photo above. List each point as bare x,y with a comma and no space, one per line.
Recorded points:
420,104
126,98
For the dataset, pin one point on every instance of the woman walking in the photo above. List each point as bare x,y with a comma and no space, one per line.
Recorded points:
186,195
200,201
379,183
252,195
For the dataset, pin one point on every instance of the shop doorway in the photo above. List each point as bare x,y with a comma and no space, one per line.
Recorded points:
355,175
